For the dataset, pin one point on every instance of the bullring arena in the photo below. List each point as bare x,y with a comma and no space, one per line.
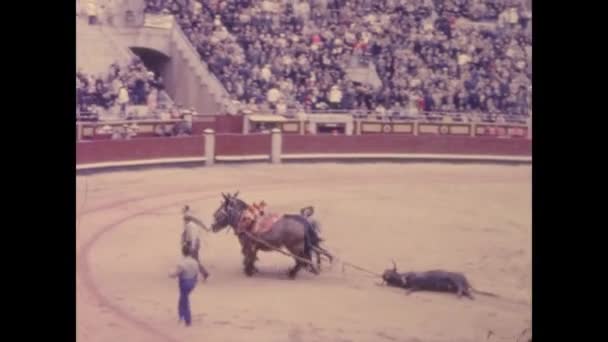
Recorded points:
473,218
406,124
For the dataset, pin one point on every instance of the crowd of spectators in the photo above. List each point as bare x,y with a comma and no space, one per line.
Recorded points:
430,55
120,87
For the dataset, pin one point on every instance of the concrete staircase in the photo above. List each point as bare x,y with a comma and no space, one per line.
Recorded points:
95,48
186,78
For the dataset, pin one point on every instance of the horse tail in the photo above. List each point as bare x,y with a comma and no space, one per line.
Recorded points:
308,244
314,235
311,239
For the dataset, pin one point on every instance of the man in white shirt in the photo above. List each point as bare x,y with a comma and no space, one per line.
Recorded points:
191,237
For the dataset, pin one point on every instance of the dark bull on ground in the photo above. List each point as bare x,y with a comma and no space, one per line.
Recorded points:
435,280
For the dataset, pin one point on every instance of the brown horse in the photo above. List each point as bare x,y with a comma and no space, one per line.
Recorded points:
288,232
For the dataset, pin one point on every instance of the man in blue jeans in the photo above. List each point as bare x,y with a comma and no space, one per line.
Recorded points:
186,272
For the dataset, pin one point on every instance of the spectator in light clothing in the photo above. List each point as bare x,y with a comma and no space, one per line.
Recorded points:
335,97
273,96
123,100
187,274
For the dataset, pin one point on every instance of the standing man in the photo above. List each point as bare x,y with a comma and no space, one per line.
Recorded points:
191,237
186,272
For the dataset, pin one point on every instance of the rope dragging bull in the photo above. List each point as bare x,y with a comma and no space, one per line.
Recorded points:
258,230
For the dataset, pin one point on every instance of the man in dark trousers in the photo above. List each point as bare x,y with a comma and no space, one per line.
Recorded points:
186,272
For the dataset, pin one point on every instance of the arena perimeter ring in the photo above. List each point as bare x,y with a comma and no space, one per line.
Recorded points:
470,218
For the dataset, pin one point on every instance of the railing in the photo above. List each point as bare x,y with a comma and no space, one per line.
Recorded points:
432,116
91,130
309,125
215,86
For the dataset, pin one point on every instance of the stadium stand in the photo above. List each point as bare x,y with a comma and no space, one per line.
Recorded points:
427,55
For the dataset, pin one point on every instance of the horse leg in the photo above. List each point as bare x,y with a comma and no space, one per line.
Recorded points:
294,271
311,267
326,253
319,251
291,273
299,264
248,263
254,258
318,260
248,256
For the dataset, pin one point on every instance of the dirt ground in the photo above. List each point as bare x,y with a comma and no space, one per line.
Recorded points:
474,219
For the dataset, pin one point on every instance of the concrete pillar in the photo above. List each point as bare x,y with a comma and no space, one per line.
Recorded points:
416,127
209,146
349,128
276,145
246,124
473,129
312,127
79,130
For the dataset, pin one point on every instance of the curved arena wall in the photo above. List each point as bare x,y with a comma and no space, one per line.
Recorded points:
102,154
384,143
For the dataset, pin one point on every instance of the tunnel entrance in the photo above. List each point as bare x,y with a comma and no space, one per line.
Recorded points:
153,60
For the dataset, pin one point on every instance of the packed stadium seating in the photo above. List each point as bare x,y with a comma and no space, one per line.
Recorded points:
429,55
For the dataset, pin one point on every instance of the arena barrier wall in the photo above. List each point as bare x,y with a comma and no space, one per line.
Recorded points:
242,144
383,143
105,151
277,147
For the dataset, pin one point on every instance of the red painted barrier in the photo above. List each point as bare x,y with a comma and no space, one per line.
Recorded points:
260,144
239,144
198,127
139,149
387,143
229,124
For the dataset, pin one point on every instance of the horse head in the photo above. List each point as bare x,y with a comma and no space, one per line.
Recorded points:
228,212
221,217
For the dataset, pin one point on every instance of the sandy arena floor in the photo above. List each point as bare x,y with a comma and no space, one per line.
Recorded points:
470,218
